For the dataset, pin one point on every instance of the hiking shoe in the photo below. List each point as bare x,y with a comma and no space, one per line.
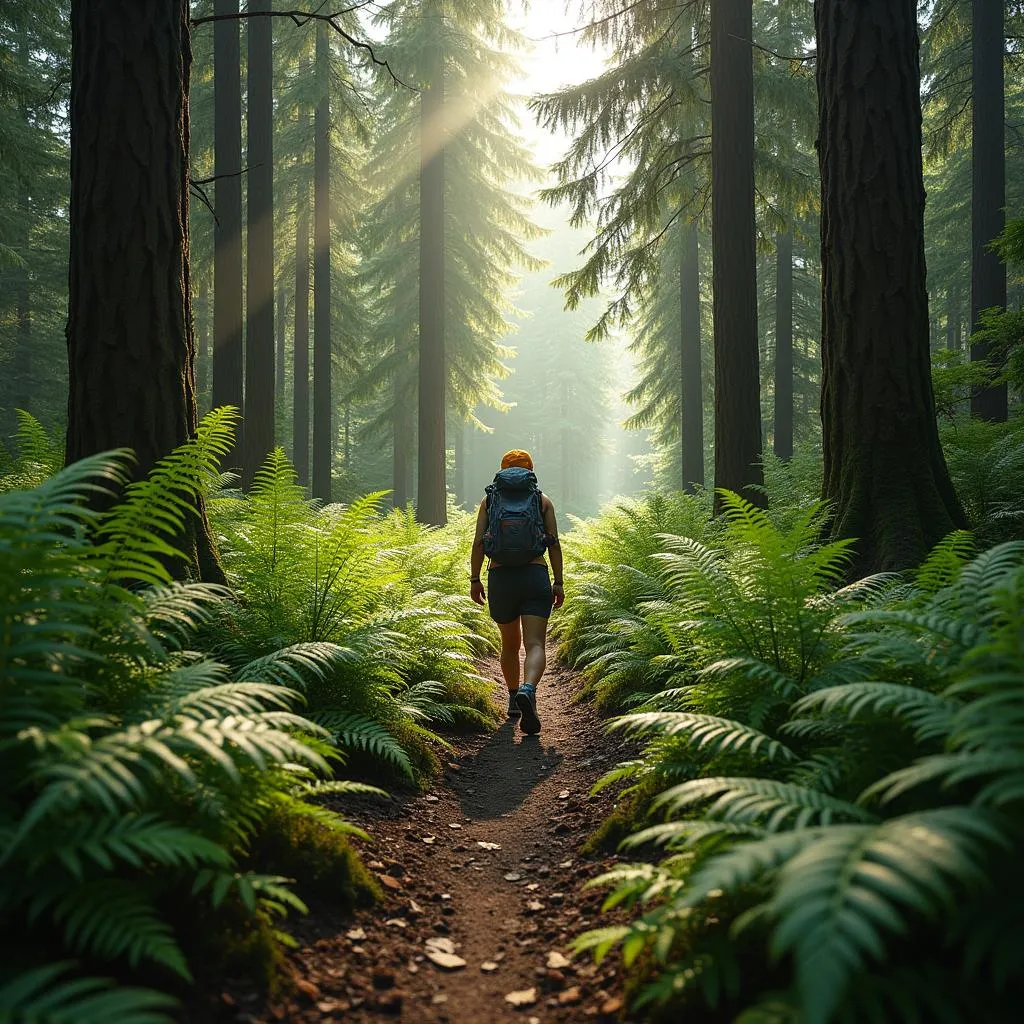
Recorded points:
513,707
526,701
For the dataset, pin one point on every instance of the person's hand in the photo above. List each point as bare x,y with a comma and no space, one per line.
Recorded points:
476,591
558,593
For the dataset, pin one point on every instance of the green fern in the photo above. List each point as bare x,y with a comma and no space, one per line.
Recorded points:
43,996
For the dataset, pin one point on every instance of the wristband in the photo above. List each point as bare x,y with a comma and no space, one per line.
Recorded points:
474,579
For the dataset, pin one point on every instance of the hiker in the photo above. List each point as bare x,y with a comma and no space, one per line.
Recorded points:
515,526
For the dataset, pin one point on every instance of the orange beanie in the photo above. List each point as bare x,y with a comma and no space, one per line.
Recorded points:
517,457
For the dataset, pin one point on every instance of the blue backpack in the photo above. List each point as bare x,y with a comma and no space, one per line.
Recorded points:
515,532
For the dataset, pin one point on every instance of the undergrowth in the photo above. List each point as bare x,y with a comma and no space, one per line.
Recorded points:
832,775
169,750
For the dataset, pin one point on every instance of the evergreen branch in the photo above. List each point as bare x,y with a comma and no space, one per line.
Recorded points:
301,18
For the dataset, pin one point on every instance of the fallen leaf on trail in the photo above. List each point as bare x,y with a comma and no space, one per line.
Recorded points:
513,876
430,798
498,957
523,997
488,966
566,864
441,943
533,886
564,795
611,1006
454,824
534,906
390,883
556,961
396,922
429,840
488,846
356,934
438,998
415,908
449,961
307,988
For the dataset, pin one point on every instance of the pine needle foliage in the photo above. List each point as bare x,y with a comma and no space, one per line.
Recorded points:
838,784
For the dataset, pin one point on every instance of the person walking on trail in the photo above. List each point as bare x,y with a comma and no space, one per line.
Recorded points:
515,528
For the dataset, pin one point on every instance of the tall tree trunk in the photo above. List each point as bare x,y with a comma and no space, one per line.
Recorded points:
401,485
258,437
691,384
131,353
323,434
885,474
282,311
430,503
459,483
24,390
737,387
784,344
227,228
347,435
202,320
988,188
953,317
300,362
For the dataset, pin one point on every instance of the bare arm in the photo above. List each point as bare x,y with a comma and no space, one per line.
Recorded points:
554,551
476,558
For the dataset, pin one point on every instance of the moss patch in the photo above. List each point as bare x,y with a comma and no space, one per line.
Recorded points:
296,844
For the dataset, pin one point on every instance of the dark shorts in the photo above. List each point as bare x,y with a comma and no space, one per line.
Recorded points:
518,590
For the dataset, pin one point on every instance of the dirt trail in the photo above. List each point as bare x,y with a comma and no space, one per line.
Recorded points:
503,908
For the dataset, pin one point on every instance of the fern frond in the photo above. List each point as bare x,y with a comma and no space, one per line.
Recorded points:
705,732
45,995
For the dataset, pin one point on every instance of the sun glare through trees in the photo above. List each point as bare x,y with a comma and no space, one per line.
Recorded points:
511,510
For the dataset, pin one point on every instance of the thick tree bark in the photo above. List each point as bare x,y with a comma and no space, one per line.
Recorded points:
737,385
691,384
258,436
784,345
300,367
988,189
885,474
227,229
131,352
323,434
430,503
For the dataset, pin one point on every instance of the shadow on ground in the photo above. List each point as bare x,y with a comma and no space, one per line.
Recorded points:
501,776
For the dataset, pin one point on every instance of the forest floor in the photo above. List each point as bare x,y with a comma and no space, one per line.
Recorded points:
482,878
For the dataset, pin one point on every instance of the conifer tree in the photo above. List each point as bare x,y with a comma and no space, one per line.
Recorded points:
129,332
733,242
227,169
34,75
885,473
484,227
988,187
258,427
323,440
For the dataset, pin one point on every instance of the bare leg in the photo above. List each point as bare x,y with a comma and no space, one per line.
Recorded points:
535,631
511,642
